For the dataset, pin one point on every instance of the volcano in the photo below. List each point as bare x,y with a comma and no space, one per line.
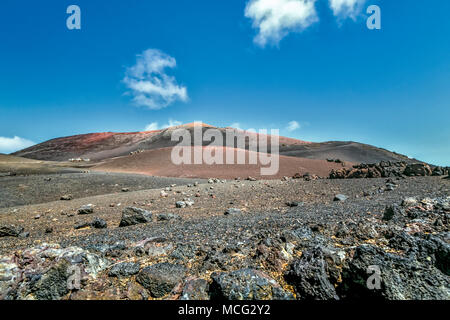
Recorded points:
149,152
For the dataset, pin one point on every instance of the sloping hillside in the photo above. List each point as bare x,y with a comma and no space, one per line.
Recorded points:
345,151
100,146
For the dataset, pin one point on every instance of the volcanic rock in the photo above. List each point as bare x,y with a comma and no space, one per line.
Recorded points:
246,284
86,209
309,276
132,216
124,269
159,279
10,231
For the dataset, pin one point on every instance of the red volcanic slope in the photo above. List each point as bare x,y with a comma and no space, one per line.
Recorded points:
158,163
101,146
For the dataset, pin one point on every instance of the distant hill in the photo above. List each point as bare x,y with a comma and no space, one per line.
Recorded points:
149,153
345,151
101,146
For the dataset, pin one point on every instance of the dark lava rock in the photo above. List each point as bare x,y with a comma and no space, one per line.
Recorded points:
86,209
340,197
232,211
99,223
132,216
53,284
294,204
400,278
309,276
180,204
429,250
302,233
167,216
417,169
184,251
159,279
124,269
10,231
392,211
390,187
195,289
82,225
438,171
111,250
246,284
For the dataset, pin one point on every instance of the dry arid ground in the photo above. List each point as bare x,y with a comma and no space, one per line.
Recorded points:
109,216
235,239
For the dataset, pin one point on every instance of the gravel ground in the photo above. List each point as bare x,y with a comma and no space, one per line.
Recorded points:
32,189
264,234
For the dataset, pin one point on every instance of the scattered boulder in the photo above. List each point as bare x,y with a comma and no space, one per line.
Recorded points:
340,197
232,211
392,211
195,289
86,209
164,194
409,202
294,204
309,276
124,269
167,217
82,225
438,171
99,224
399,278
66,197
159,279
246,284
10,231
185,203
132,216
49,271
417,169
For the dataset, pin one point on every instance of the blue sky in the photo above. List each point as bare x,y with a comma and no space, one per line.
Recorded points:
321,68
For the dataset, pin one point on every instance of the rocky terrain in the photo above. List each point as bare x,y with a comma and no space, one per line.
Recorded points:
303,238
109,216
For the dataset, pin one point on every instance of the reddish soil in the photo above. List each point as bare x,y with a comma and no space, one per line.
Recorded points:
158,163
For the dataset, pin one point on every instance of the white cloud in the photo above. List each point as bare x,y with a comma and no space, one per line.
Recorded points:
292,126
149,84
155,126
346,8
236,125
9,145
276,18
152,126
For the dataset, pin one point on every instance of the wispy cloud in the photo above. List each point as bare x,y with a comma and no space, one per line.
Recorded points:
150,85
346,8
292,126
236,125
9,145
275,19
155,126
